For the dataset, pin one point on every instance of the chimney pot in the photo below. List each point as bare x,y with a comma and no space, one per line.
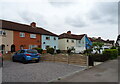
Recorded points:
33,24
68,32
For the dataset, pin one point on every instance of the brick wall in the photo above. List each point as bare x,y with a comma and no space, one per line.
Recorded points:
26,41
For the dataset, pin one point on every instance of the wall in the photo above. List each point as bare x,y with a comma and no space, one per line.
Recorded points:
80,47
63,44
50,42
26,41
88,42
7,40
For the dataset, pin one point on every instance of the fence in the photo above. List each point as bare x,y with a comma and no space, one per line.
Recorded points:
77,59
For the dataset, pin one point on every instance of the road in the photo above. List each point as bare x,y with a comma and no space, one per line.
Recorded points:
105,72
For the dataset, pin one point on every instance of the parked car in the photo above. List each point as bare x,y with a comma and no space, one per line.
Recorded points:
26,55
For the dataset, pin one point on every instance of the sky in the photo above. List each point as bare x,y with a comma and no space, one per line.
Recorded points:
96,18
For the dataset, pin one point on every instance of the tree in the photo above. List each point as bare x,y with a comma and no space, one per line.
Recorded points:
97,46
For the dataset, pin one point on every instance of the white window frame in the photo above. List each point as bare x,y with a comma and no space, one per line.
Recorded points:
32,46
3,33
32,35
22,34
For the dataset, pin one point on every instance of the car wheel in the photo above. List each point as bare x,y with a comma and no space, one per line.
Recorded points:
37,61
24,61
13,59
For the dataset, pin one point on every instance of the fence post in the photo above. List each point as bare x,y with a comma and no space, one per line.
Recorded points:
87,62
54,58
68,58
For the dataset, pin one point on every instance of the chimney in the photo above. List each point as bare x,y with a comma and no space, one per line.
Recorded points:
33,24
107,39
68,32
99,38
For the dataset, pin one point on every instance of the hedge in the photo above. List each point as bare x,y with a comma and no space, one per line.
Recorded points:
112,53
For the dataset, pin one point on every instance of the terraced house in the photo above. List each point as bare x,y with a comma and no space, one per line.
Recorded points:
15,36
72,41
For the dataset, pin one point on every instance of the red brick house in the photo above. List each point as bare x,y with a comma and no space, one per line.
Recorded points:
21,36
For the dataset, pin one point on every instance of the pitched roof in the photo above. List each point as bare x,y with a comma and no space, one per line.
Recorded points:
101,40
71,36
25,28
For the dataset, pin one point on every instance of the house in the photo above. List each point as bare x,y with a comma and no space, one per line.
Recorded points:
118,41
107,43
15,36
71,41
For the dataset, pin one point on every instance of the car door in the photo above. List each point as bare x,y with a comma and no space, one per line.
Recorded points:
21,55
16,56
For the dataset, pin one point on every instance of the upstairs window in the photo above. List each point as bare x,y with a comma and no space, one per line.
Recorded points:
72,41
47,38
22,34
54,38
67,40
32,35
2,33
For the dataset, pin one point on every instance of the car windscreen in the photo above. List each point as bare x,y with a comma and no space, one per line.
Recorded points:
31,51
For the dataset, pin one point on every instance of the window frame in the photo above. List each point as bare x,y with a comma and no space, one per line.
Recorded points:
22,34
33,36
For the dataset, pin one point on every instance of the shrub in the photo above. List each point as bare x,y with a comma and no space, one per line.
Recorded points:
112,53
118,50
50,50
88,51
69,51
39,50
58,51
113,47
100,57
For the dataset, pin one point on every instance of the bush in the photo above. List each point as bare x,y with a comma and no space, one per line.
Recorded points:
58,51
99,57
112,53
88,51
118,50
113,47
39,50
69,51
50,50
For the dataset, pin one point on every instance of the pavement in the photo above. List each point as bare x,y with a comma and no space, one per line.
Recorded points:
36,72
105,72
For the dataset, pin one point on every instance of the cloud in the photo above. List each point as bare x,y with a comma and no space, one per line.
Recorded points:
77,21
104,13
58,17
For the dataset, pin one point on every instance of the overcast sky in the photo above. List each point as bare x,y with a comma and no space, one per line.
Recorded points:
80,17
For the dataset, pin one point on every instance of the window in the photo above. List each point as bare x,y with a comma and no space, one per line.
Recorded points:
67,40
22,51
32,46
54,47
2,33
22,34
54,38
67,47
43,42
47,38
72,41
32,35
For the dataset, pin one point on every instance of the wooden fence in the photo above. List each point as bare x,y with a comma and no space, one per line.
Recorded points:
77,59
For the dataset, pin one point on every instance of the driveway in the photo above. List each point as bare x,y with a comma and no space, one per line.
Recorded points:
105,72
36,72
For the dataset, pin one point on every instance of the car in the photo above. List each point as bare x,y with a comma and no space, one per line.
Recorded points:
26,55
